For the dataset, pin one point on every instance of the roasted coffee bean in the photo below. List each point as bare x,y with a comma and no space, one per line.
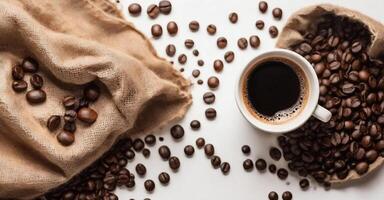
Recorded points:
87,115
282,173
36,96
194,26
17,72
213,82
70,102
272,168
174,163
211,29
200,142
246,149
65,138
164,152
210,113
248,164
209,150
53,122
195,124
371,156
70,127
304,183
150,140
164,178
130,154
165,7
242,43
172,28
156,30
356,47
140,169
70,116
195,52
36,81
200,62
273,196
286,195
275,153
200,82
30,65
19,86
134,9
273,31
229,56
263,6
189,150
233,17
209,97
189,43
177,131
225,167
218,65
260,24
221,42
254,41
138,144
260,164
182,59
277,13
146,153
215,162
149,185
170,50
153,11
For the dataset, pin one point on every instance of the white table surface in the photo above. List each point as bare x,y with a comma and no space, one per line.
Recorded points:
196,179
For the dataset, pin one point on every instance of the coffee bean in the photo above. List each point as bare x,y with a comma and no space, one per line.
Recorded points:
189,43
164,178
17,72
263,6
282,173
209,150
200,142
174,163
275,153
170,50
254,41
189,150
156,30
150,140
53,122
260,24
87,115
209,97
153,11
164,152
229,56
272,168
260,164
182,59
195,124
304,183
195,52
36,96
200,82
70,127
134,9
194,26
177,131
200,63
273,31
213,82
165,7
233,17
356,47
215,162
286,195
246,149
36,81
242,43
30,65
70,116
149,185
225,167
371,156
221,42
172,28
210,113
195,73
19,86
140,169
211,29
70,102
248,164
277,13
130,154
218,65
65,138
273,196
138,144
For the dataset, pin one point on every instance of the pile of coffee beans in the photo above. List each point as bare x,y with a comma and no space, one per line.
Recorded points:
351,87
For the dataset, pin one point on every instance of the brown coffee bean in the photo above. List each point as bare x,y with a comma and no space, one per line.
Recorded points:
229,56
53,122
134,9
218,65
211,29
195,73
17,72
225,167
149,185
263,6
304,183
282,173
164,178
233,17
177,131
260,164
69,127
164,152
19,86
242,43
36,81
189,43
200,142
87,115
362,168
200,63
150,139
286,195
210,113
209,97
156,30
70,102
165,7
254,41
30,65
174,163
153,11
70,116
275,153
200,82
356,47
215,162
259,24
213,82
195,124
189,150
172,28
221,42
170,50
209,150
371,156
246,149
273,196
195,52
92,92
273,31
277,13
138,144
141,169
248,164
36,96
65,138
194,26
272,168
182,59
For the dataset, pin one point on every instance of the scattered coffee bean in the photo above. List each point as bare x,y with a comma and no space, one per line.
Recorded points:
150,140
140,169
209,150
53,122
19,86
174,163
225,167
211,29
172,28
246,149
170,50
153,11
70,127
30,65
70,116
195,124
36,81
213,82
260,164
277,13
134,9
209,97
215,162
304,183
273,196
273,31
221,42
87,115
146,153
177,131
182,59
248,164
65,138
17,72
263,6
282,173
200,142
189,150
242,43
200,82
254,41
218,65
275,153
229,56
130,154
272,168
287,195
36,96
233,17
200,63
149,185
181,69
210,113
164,178
260,24
194,26
70,102
164,152
189,43
156,30
165,7
138,144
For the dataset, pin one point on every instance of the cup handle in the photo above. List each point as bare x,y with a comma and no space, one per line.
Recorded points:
322,114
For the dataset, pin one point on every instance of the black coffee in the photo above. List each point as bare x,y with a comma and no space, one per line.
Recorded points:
274,86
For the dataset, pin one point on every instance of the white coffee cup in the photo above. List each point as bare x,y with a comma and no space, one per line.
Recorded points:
309,108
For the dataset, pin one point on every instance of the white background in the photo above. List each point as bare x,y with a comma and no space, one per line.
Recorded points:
196,179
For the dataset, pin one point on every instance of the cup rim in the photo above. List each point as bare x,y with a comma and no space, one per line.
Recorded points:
307,111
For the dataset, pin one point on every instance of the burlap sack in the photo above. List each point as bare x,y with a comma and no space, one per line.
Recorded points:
76,42
307,19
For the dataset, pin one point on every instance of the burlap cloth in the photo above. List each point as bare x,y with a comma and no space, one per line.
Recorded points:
307,19
76,42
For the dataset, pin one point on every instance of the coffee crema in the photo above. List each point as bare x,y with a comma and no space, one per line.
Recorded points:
275,90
